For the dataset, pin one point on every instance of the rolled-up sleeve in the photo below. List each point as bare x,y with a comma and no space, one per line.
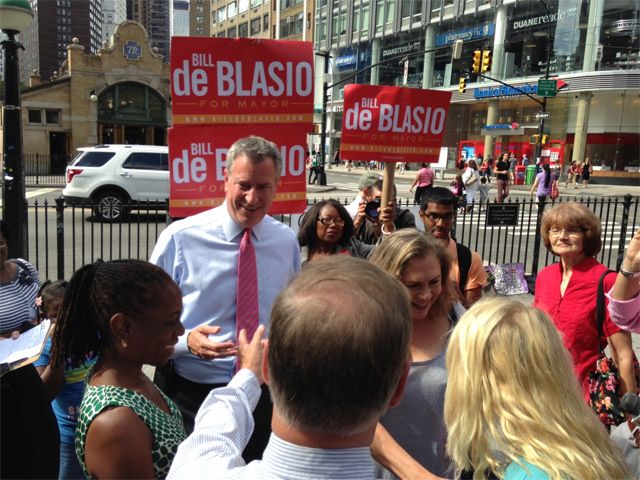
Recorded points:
625,313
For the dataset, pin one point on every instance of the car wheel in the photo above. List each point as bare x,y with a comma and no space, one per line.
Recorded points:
109,206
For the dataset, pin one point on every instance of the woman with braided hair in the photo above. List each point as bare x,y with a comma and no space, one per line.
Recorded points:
129,312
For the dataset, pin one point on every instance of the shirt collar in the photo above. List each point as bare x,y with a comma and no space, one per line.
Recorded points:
232,229
287,460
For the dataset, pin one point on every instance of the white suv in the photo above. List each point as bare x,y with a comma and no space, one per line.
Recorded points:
111,176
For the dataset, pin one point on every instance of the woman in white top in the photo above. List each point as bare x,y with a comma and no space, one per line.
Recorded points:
470,179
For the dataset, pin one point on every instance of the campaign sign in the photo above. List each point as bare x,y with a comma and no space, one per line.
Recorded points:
198,155
241,80
393,124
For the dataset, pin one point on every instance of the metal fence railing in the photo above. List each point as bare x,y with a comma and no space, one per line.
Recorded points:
62,238
46,170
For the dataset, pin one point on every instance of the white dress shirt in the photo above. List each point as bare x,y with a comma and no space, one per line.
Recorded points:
223,427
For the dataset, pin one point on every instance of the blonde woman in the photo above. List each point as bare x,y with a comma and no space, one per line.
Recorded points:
513,406
410,440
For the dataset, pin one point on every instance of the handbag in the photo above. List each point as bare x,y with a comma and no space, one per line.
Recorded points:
604,398
555,192
472,179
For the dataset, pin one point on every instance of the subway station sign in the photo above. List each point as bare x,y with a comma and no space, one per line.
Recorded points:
504,91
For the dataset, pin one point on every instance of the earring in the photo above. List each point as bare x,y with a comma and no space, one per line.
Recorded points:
124,343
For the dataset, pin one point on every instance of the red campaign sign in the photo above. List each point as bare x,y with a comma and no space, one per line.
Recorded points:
198,157
393,124
241,80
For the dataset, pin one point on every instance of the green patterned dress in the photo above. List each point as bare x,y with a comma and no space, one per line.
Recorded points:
167,429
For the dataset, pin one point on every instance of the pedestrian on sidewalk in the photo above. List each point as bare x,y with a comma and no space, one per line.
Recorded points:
423,180
503,176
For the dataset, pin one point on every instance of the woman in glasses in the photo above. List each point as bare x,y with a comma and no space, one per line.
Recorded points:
327,229
567,292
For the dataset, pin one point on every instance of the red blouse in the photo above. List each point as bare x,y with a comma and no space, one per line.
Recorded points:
575,314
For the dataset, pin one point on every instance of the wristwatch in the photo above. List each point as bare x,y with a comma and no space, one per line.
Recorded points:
628,274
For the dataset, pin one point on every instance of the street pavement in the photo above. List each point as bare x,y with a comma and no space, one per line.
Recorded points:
336,183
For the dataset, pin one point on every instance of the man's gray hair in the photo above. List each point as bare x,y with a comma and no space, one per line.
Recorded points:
367,180
256,149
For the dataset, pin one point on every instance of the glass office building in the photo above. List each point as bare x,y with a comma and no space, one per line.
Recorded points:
591,47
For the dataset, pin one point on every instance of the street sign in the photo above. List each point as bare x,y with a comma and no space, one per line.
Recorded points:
547,87
541,115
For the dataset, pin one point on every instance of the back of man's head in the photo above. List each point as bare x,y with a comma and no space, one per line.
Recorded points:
439,195
338,345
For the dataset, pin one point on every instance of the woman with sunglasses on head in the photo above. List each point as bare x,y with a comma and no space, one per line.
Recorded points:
327,229
567,292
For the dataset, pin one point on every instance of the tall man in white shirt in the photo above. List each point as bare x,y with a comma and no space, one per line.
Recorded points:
201,253
337,359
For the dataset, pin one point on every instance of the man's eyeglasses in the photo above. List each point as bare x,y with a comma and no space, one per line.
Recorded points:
434,217
326,221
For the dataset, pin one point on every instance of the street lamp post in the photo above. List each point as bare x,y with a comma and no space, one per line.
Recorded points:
538,153
15,16
322,175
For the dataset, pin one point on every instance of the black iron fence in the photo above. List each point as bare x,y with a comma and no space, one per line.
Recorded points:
62,238
46,170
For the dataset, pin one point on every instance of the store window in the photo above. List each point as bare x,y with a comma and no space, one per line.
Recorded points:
619,47
532,37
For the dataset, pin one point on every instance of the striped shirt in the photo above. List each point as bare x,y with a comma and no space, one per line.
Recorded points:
18,297
223,427
625,313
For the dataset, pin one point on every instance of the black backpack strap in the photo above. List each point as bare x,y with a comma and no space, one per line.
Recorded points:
600,302
464,264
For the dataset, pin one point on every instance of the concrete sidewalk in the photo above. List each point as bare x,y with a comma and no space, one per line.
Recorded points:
444,179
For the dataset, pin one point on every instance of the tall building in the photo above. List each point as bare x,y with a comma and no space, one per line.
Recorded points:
154,16
114,12
200,18
180,18
55,24
283,19
592,47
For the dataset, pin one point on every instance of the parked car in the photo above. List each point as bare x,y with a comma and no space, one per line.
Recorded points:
113,177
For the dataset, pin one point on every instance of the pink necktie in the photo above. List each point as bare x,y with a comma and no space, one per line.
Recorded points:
247,294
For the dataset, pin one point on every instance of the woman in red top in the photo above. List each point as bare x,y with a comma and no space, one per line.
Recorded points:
567,292
424,180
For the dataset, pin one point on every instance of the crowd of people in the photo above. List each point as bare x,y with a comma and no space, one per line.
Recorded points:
362,348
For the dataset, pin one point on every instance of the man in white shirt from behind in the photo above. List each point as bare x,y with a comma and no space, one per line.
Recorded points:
336,359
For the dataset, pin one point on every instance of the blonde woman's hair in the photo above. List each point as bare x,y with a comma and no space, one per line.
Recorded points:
512,395
402,246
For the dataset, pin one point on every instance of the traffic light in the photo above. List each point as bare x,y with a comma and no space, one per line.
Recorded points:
544,139
486,61
533,139
462,85
477,55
